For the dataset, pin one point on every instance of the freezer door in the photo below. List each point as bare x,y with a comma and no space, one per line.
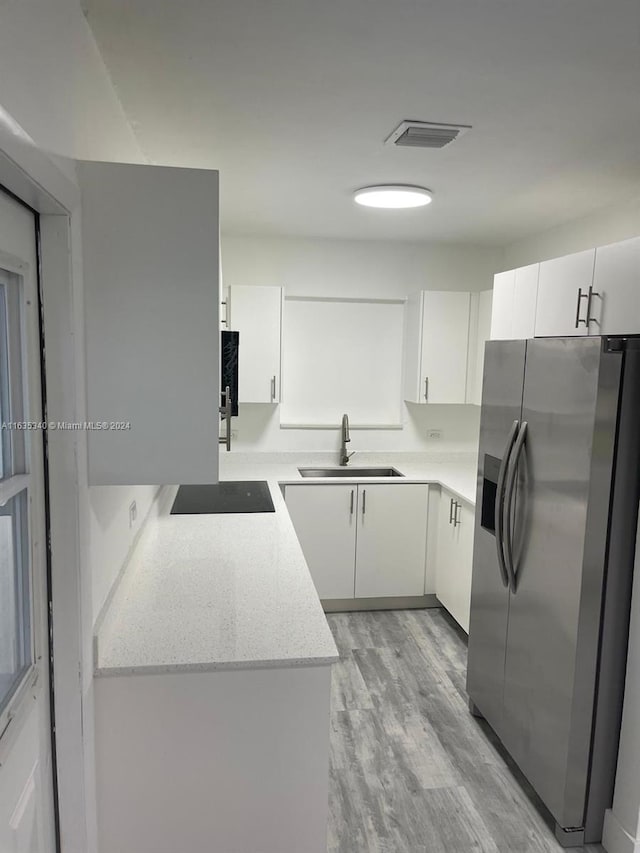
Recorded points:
564,481
501,404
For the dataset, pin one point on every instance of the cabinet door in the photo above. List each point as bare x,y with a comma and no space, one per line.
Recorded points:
525,298
502,306
563,289
465,525
455,557
324,518
413,393
445,345
392,539
478,341
150,259
256,312
616,280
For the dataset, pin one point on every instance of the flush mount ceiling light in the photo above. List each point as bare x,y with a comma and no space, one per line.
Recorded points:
393,196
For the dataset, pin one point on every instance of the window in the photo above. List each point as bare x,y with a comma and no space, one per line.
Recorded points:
16,655
16,635
341,355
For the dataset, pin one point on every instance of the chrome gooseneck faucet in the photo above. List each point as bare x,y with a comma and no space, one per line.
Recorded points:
344,456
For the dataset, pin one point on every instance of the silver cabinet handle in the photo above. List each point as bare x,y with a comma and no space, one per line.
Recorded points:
225,411
273,388
581,296
451,511
352,496
591,319
512,479
364,501
499,505
426,389
456,518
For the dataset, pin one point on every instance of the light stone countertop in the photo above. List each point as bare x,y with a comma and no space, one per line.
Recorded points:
233,591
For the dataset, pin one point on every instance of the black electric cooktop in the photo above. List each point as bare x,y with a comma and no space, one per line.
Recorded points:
228,496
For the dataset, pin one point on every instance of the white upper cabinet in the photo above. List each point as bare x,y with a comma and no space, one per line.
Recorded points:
615,303
150,268
436,347
563,296
502,308
514,303
481,328
525,296
595,292
256,313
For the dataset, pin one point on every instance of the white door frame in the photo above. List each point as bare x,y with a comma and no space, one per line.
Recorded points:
35,178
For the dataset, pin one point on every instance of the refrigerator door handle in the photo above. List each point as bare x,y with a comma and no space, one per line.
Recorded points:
512,479
499,507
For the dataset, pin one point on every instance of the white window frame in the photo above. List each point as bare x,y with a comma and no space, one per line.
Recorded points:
12,273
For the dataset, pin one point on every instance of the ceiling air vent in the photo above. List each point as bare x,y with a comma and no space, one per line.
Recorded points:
425,134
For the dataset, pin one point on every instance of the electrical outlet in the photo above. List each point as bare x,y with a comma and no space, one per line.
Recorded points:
133,513
434,434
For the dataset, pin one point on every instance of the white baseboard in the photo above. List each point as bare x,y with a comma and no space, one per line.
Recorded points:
615,838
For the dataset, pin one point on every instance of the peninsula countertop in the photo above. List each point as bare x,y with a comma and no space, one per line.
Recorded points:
233,591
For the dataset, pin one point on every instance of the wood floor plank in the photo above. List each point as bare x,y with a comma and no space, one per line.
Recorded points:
349,691
411,770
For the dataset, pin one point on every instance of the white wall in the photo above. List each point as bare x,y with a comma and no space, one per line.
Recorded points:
110,535
307,267
55,84
357,268
604,226
258,429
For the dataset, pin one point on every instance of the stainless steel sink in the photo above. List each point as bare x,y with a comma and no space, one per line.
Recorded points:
354,473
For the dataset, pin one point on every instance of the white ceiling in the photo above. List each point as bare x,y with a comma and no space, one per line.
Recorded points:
292,100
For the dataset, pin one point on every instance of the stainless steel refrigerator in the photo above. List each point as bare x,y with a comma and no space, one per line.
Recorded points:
555,534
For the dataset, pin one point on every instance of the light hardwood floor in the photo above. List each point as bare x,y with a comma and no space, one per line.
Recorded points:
411,770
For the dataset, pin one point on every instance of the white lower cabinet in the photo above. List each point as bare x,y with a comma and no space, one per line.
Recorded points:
454,557
325,521
231,760
392,540
362,541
